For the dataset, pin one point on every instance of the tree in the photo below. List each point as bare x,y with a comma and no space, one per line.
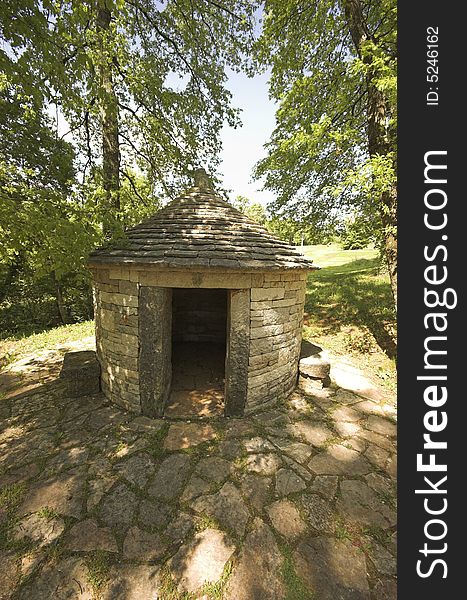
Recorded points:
140,82
334,147
253,210
357,233
44,232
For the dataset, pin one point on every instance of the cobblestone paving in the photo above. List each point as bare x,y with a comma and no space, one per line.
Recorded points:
296,502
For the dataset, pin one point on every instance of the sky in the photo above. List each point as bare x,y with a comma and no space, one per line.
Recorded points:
243,147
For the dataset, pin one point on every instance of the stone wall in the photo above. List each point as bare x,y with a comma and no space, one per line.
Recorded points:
275,327
199,315
117,341
276,319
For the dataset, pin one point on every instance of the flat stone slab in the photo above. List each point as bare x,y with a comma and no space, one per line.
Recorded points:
358,502
118,507
385,590
201,560
332,569
313,432
256,489
143,424
382,560
285,519
194,488
154,514
227,507
346,429
137,469
63,494
339,460
39,529
133,582
257,574
258,444
288,482
318,513
264,464
314,366
9,575
186,435
143,546
180,527
169,479
65,580
326,485
87,536
346,414
214,468
381,425
81,373
298,451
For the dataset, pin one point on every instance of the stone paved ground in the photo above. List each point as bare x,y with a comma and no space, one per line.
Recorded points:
297,502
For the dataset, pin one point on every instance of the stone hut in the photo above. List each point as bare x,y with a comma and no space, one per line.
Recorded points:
198,311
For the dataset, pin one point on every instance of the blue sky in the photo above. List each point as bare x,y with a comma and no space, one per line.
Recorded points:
243,147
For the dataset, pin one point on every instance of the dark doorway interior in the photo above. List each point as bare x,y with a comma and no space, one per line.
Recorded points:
199,329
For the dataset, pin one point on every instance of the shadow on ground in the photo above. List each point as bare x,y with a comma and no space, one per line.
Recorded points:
351,294
295,501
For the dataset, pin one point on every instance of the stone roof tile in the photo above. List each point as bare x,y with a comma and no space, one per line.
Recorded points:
201,229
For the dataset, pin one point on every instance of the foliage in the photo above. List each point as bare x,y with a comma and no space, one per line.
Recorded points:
253,210
333,150
144,79
358,233
289,229
98,564
46,232
165,62
300,232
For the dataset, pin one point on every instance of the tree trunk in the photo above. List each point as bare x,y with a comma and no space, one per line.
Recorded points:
379,142
110,129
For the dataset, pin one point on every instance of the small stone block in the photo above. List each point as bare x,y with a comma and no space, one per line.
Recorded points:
81,372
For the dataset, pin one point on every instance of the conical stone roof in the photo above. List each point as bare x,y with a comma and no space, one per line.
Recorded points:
200,229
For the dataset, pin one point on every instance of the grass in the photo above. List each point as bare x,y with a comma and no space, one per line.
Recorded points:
47,513
168,588
295,588
155,445
98,565
349,309
12,348
11,495
215,591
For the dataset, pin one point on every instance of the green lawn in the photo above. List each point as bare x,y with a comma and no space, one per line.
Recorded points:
15,347
349,308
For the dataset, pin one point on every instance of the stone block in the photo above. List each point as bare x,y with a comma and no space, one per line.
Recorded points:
81,372
119,299
260,346
261,294
127,287
283,302
315,366
266,331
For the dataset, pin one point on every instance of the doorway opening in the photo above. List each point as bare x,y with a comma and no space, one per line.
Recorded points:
199,339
